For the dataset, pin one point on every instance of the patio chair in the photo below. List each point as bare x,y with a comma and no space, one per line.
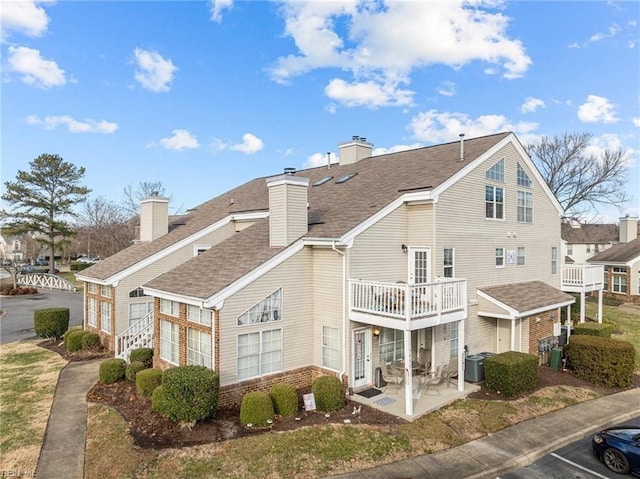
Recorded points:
452,372
392,375
424,358
432,380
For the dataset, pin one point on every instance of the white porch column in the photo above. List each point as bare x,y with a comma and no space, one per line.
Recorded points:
600,306
512,334
408,374
461,340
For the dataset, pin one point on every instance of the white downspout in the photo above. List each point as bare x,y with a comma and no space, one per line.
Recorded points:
344,314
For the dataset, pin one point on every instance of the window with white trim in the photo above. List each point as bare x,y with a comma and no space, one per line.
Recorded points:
172,308
522,177
92,288
331,348
496,172
137,293
267,310
105,291
169,341
521,257
525,207
199,315
499,257
606,278
137,311
105,316
619,279
494,202
448,263
554,260
391,344
198,348
92,311
569,249
453,340
259,353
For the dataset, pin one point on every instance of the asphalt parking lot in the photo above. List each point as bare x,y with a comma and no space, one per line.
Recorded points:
16,321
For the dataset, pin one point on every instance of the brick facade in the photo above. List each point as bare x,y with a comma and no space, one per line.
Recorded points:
627,297
107,339
541,326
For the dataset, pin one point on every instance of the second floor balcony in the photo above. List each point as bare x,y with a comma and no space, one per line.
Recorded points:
577,278
408,307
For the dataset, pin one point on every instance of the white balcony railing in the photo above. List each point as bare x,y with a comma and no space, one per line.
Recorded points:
582,277
408,302
138,335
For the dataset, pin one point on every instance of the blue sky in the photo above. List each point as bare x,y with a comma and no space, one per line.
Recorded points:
204,96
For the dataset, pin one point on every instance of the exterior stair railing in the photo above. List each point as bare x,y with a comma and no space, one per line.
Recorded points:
138,335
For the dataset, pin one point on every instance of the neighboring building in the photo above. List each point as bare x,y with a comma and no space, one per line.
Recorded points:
622,263
453,249
11,249
582,241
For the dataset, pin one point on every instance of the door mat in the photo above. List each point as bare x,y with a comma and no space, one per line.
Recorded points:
385,401
369,393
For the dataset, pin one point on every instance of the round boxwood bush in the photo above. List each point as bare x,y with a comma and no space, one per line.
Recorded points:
285,399
190,393
112,370
147,380
157,403
74,340
51,322
328,393
90,341
144,355
67,333
256,409
133,369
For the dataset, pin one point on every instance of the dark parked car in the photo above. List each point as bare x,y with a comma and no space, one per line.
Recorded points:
42,262
619,448
28,270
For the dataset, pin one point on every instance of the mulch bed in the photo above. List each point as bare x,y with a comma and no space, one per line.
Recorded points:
152,430
56,346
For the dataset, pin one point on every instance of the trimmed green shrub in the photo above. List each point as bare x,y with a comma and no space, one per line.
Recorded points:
285,399
147,380
74,340
511,373
144,355
190,393
67,333
603,330
112,370
328,393
256,409
602,361
157,403
90,341
133,369
51,322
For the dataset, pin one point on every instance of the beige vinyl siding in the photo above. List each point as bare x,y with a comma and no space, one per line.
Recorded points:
420,230
288,219
377,253
277,218
165,264
295,276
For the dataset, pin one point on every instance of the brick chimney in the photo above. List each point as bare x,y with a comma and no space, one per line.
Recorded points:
355,150
288,218
154,217
628,229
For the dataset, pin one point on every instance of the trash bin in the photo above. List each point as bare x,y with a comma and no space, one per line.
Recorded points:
380,383
474,368
556,359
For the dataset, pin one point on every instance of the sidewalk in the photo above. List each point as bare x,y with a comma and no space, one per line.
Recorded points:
62,454
515,446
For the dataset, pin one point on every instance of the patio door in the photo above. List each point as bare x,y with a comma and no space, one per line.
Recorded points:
419,265
361,357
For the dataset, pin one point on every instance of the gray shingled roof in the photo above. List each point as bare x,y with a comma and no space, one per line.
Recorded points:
618,253
527,296
590,233
334,209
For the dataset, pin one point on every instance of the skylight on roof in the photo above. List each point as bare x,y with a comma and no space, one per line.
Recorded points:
345,178
322,181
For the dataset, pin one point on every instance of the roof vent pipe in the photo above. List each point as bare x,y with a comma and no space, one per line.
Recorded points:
328,160
290,171
461,146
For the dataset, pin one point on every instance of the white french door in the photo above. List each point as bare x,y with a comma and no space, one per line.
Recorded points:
361,357
419,265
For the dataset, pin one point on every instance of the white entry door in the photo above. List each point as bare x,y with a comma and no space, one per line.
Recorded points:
504,335
419,265
361,357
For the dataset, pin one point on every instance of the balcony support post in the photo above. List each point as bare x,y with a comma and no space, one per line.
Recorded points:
600,305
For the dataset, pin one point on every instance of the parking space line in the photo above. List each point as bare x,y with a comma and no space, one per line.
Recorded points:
597,474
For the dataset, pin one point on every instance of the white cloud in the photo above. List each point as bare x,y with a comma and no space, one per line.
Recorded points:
367,94
320,159
597,109
154,72
384,42
217,6
438,127
24,16
34,69
532,104
73,126
180,140
613,31
636,121
395,149
250,144
448,89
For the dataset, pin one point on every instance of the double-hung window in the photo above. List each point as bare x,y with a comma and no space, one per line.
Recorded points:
499,257
198,315
198,348
521,259
391,344
494,202
554,260
172,308
105,291
259,353
92,311
105,316
619,279
331,348
525,207
137,311
92,288
169,341
448,263
453,340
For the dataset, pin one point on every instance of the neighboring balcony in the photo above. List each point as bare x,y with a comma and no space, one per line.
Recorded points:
408,307
582,278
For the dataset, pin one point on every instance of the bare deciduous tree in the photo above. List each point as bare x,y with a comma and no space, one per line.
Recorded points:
132,196
580,176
